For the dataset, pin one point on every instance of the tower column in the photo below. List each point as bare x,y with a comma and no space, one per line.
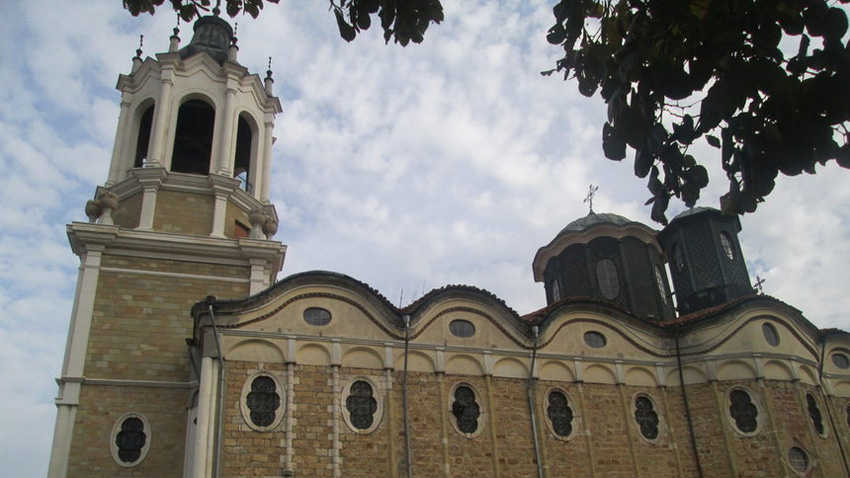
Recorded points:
118,155
224,158
268,140
160,121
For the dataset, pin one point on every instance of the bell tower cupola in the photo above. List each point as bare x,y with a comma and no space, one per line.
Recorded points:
193,120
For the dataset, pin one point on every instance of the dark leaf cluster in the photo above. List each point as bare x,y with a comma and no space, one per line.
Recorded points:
195,8
403,21
674,71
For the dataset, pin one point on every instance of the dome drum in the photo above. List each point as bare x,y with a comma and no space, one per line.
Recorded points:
605,256
706,263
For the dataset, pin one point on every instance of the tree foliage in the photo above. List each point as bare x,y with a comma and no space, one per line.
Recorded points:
763,81
674,71
404,21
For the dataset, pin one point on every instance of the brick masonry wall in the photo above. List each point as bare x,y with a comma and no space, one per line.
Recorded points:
100,408
140,322
604,421
247,452
183,213
128,212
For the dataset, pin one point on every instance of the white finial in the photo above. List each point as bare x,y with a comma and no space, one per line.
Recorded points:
234,49
137,60
174,41
269,82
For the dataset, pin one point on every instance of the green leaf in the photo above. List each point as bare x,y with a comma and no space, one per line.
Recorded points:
712,140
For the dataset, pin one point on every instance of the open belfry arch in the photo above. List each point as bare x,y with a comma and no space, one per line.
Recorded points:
186,357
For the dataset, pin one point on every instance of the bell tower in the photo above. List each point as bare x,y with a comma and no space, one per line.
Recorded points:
184,214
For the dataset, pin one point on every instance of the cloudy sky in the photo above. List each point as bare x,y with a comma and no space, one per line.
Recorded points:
449,162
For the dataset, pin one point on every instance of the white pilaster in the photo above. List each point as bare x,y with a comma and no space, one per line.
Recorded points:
223,164
159,128
118,163
75,359
263,181
205,431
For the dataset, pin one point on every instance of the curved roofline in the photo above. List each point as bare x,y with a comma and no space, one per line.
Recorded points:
413,309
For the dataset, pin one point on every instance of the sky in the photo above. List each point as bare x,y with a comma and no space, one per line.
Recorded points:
449,162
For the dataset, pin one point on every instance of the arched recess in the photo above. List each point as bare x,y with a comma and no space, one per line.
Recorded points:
640,376
736,370
510,367
776,370
842,389
463,365
556,371
808,375
245,157
599,374
416,362
313,354
256,351
144,122
691,374
193,137
362,357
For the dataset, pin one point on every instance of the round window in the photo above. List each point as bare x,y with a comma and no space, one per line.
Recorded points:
317,316
798,459
461,328
594,339
841,361
606,275
726,244
771,335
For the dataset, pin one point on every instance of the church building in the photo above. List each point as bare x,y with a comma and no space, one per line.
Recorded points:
187,357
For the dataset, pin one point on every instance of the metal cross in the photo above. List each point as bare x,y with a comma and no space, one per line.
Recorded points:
758,285
589,198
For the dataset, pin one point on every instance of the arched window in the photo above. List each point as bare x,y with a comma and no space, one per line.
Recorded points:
262,402
193,138
130,439
466,410
726,244
798,459
743,411
815,414
362,406
660,283
606,275
646,417
144,137
560,414
244,146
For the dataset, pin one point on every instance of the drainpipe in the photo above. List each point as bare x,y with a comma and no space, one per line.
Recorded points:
220,411
828,407
405,405
687,408
531,409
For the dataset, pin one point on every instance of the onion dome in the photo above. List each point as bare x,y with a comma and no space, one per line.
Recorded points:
610,257
213,35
